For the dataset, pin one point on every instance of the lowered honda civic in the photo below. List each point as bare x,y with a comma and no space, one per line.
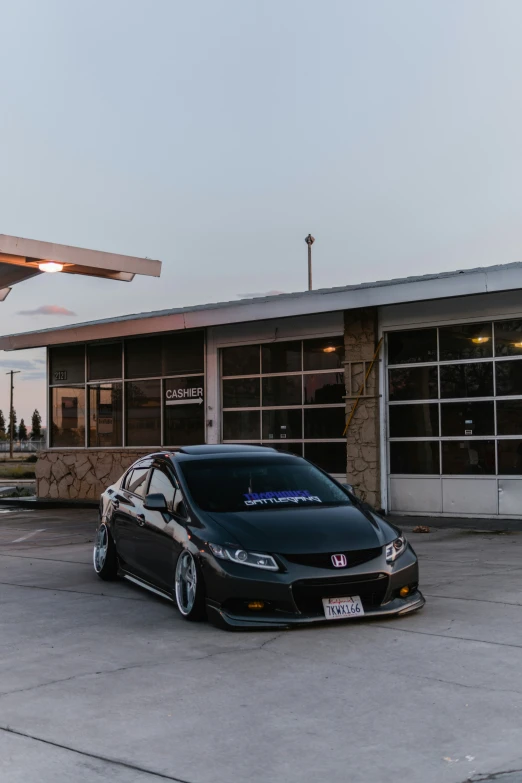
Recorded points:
252,537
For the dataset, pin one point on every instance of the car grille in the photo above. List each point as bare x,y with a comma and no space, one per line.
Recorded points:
354,558
308,593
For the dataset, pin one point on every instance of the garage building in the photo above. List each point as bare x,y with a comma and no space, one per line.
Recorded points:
438,424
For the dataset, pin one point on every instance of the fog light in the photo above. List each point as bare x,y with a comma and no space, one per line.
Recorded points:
404,591
255,606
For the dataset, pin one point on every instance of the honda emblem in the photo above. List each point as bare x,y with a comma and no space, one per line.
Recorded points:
339,561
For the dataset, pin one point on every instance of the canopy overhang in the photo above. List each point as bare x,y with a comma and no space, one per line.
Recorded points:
20,260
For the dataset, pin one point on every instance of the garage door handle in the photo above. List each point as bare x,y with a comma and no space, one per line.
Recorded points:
141,519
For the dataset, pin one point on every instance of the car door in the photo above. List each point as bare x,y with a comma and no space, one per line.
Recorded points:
157,538
128,516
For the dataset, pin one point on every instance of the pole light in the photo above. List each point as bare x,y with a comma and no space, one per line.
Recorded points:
309,241
11,415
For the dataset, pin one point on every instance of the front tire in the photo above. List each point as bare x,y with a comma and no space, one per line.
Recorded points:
189,588
104,556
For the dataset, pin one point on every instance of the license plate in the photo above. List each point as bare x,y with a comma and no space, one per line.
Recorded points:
342,608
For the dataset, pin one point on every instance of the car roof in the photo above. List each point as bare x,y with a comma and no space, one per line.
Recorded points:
221,448
214,451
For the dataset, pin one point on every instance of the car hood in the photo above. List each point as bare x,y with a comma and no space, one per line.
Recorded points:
306,530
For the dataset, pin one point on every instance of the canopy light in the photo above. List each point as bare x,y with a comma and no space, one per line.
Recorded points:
517,345
50,266
329,349
479,340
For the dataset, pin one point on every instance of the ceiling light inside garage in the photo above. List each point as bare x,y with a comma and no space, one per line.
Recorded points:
479,340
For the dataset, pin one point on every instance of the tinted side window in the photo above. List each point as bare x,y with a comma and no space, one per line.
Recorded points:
135,481
161,484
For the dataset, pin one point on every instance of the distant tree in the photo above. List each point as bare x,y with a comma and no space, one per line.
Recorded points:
36,426
2,426
22,430
15,428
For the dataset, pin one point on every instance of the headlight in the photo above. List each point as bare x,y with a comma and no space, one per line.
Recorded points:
395,549
254,559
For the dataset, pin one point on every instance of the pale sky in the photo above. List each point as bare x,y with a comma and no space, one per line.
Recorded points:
215,135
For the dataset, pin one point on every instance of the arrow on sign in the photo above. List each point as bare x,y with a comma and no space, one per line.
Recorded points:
198,401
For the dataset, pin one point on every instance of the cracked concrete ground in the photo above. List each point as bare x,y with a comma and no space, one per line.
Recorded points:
105,682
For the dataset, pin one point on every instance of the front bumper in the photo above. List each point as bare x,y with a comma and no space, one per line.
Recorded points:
294,596
221,618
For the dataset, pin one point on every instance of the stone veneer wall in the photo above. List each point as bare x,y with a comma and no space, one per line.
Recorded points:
82,474
363,445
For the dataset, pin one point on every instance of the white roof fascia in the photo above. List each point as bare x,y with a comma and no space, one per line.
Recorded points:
411,289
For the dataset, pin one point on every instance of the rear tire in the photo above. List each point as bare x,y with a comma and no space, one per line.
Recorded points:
189,588
104,556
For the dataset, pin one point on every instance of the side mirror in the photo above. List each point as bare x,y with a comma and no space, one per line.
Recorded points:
156,502
349,487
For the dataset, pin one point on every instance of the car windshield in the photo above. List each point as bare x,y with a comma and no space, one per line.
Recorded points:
247,484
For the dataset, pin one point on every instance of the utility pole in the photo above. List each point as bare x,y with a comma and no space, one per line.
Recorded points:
309,241
11,415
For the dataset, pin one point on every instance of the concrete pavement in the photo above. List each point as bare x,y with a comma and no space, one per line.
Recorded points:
106,682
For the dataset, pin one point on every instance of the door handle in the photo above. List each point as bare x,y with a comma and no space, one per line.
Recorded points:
141,519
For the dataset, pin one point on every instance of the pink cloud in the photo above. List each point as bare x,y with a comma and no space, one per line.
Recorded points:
47,310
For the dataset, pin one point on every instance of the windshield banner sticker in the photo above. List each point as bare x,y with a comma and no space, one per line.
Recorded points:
285,496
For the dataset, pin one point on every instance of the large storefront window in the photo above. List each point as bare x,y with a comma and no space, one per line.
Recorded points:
145,391
455,400
68,417
184,410
289,395
143,413
105,414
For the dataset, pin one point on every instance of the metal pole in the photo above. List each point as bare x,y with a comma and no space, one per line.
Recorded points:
309,241
11,412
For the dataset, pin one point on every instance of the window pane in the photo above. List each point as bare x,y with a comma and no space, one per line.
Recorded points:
324,388
184,423
143,357
415,457
136,482
414,421
68,417
241,393
324,422
469,341
467,418
241,425
466,380
508,338
279,425
509,377
104,361
509,417
281,357
417,345
468,457
327,353
67,364
183,353
328,456
143,413
105,415
242,360
291,448
510,457
162,485
285,390
413,383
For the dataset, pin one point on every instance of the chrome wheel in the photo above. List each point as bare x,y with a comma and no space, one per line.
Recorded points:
186,583
101,547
